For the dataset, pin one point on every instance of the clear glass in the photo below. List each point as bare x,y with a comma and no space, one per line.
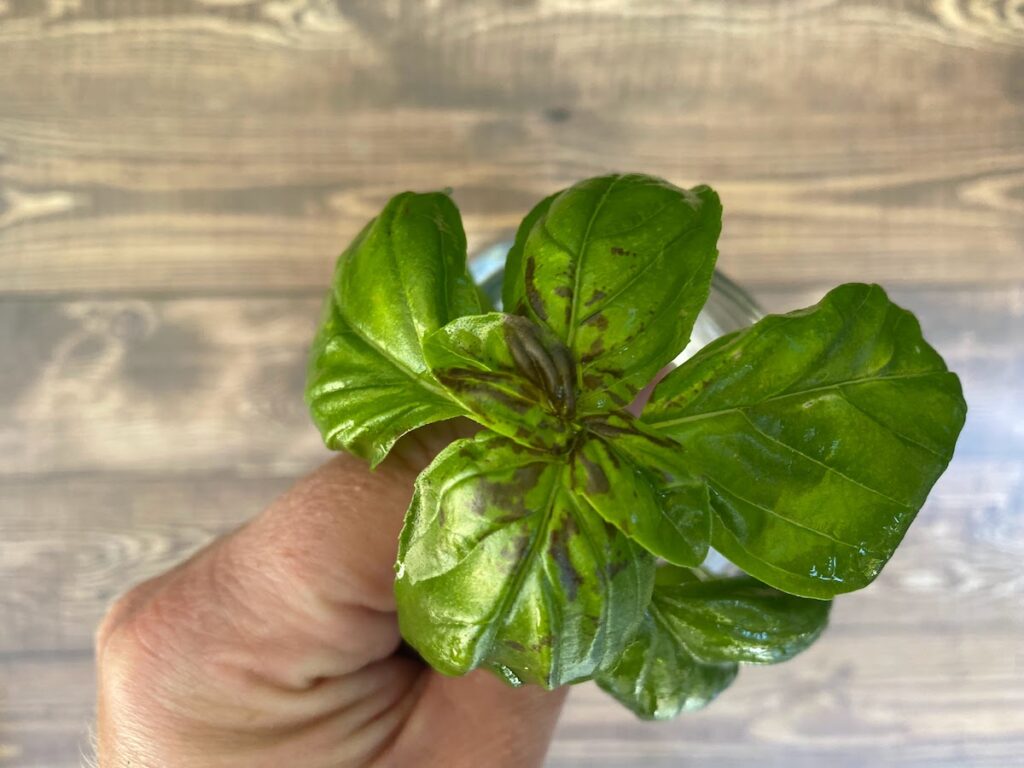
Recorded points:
728,308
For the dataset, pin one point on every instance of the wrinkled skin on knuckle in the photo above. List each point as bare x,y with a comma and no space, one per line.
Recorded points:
138,674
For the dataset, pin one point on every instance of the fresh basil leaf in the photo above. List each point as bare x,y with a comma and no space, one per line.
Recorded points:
656,676
618,267
403,277
819,434
737,618
696,631
499,566
361,402
513,375
639,483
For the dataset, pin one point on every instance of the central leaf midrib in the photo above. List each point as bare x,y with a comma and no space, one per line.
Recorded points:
496,620
654,421
581,251
632,279
398,365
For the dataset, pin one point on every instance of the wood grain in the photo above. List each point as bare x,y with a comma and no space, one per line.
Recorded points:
214,384
176,177
240,146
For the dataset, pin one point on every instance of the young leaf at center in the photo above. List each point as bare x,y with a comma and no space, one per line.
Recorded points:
511,374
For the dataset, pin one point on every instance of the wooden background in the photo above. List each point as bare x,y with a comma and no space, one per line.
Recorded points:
176,178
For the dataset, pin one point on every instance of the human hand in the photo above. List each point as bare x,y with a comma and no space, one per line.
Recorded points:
278,645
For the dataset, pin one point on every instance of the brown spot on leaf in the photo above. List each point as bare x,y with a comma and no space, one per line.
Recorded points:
595,297
530,286
559,550
615,397
481,503
564,291
478,385
507,497
598,320
515,645
613,568
546,641
597,480
617,251
596,350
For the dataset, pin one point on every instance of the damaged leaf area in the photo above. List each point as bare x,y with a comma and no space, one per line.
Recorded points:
511,374
564,542
618,268
500,565
638,482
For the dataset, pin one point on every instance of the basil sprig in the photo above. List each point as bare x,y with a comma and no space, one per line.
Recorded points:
801,448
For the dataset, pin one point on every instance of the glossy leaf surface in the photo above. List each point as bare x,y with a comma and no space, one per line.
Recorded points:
696,631
639,483
819,434
513,375
737,618
656,676
403,277
618,267
500,566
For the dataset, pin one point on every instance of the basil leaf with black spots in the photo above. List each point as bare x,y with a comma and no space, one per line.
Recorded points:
510,374
618,267
499,565
639,483
800,448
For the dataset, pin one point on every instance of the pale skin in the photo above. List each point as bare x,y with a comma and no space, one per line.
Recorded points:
278,645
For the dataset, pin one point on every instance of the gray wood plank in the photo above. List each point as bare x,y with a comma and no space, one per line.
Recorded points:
205,384
224,146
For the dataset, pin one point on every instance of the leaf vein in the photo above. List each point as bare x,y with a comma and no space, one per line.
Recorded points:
826,467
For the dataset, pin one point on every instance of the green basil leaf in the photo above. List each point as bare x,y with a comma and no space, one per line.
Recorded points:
512,287
696,631
403,277
737,618
361,402
657,678
618,267
819,434
639,483
499,566
513,376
